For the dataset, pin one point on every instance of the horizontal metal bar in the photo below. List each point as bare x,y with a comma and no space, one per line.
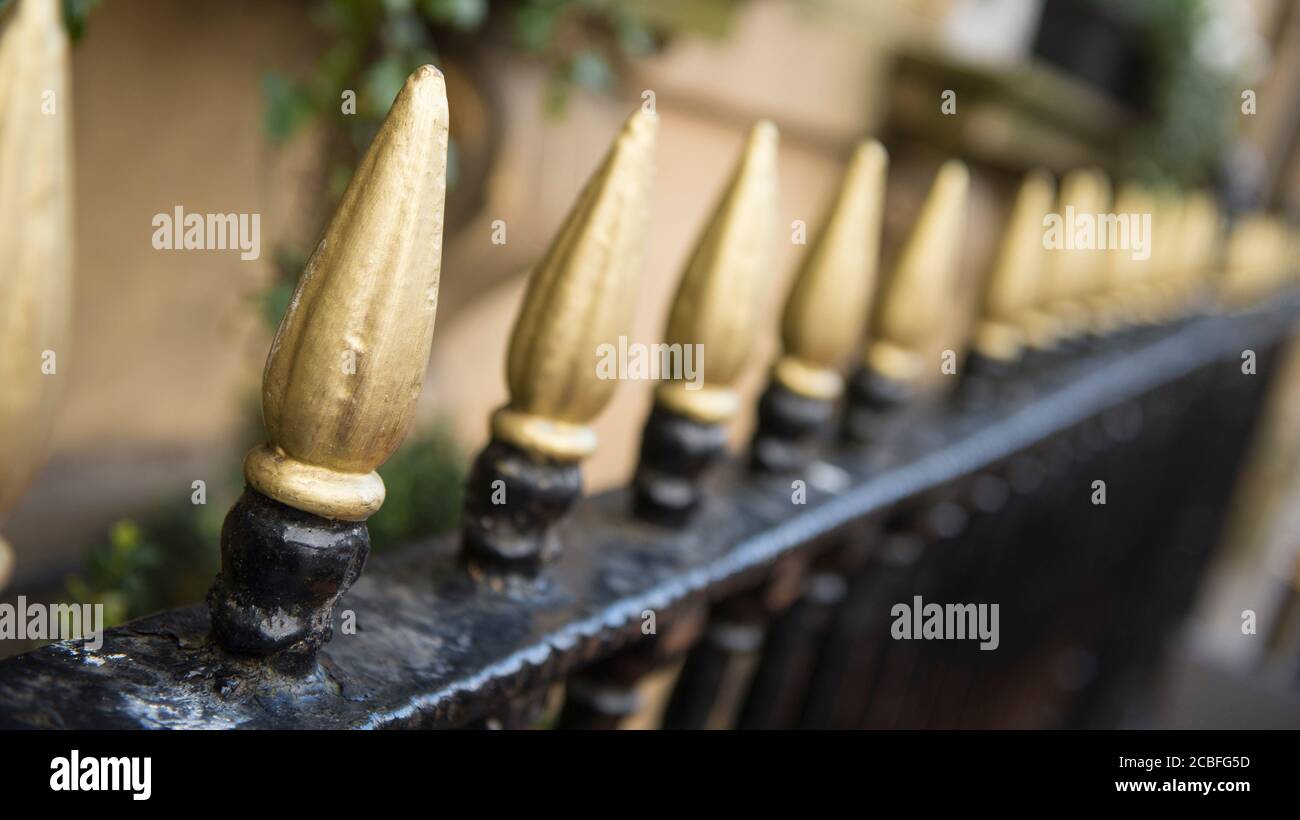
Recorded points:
433,647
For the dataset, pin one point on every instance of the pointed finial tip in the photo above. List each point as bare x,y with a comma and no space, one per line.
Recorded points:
871,151
953,174
641,124
425,91
766,131
762,146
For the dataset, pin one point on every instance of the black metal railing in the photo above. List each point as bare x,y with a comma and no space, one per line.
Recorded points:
982,504
1066,465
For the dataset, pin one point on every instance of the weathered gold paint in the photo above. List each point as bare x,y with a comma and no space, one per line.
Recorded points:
36,238
365,302
720,291
826,312
579,297
916,303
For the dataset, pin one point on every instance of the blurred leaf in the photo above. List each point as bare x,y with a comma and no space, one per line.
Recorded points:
590,70
75,13
466,15
380,84
712,18
534,21
424,482
288,106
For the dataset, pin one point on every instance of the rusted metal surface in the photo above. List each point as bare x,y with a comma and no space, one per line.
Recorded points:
433,648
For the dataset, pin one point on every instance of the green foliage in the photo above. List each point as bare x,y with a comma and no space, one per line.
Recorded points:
1192,102
75,13
375,46
166,559
425,481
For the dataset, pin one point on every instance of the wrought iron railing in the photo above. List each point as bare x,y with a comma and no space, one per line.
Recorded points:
1071,464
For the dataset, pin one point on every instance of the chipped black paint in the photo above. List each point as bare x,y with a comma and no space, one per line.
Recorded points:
675,454
282,572
790,428
513,500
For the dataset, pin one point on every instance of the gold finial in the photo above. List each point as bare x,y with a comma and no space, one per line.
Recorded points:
1074,272
36,237
917,297
1012,287
348,361
829,303
1246,272
579,298
1114,303
1200,243
718,295
1166,253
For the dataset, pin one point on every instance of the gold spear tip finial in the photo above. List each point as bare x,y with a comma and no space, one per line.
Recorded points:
918,298
348,361
829,303
579,300
724,280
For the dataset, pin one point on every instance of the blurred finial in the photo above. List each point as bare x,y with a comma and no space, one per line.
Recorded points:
913,312
1113,304
36,238
1167,255
719,292
917,300
711,323
339,389
824,318
1246,264
827,309
1201,242
1013,284
1076,271
579,301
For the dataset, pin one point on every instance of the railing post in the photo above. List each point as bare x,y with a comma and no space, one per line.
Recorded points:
824,318
339,392
712,320
580,298
36,238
